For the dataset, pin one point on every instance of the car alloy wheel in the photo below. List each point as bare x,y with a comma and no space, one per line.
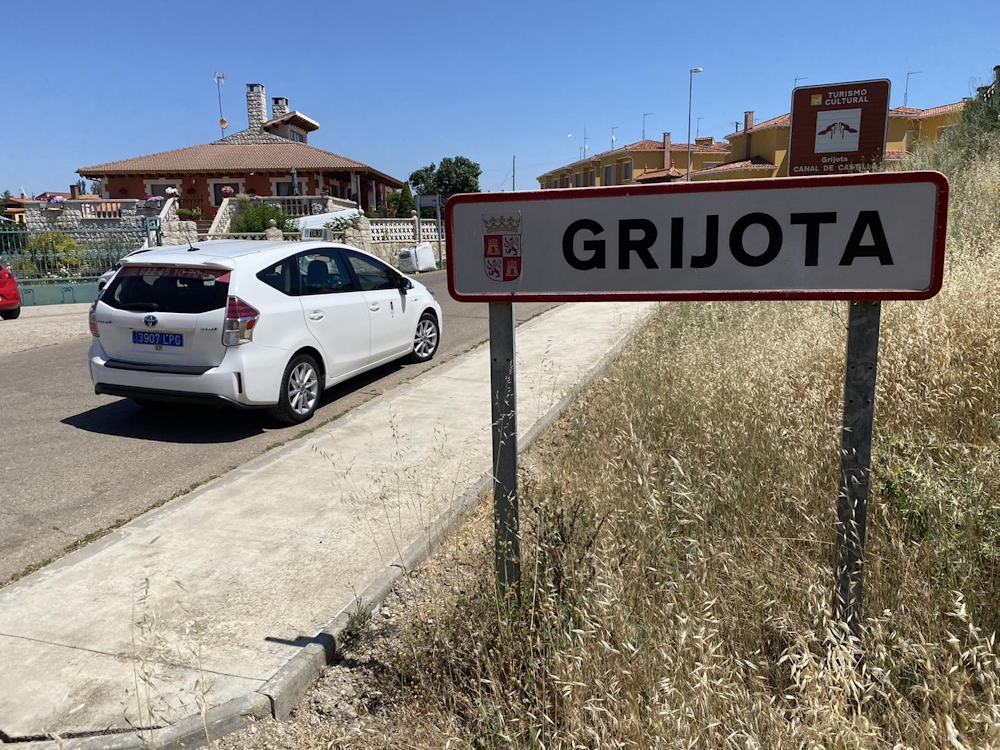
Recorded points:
425,341
303,389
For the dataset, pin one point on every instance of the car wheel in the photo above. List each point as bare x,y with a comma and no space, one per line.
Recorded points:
10,314
426,338
300,391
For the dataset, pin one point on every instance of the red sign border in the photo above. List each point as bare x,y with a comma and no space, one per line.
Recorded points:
791,114
770,183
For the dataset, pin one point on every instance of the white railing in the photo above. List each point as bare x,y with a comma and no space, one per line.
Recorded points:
286,236
224,216
429,231
296,206
93,210
393,230
169,209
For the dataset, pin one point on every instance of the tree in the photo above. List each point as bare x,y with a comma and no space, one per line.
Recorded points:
406,205
95,188
452,176
254,216
7,195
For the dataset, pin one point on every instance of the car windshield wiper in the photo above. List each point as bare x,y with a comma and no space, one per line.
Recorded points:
140,306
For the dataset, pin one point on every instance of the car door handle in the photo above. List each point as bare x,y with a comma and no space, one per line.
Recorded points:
374,307
316,315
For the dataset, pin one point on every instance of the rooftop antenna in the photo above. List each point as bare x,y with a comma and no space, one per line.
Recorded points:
644,116
697,127
795,83
613,139
220,78
906,89
586,148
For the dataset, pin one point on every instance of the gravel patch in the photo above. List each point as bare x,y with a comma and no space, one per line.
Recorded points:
42,326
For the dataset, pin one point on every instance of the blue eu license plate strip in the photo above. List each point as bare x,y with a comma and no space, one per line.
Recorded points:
148,338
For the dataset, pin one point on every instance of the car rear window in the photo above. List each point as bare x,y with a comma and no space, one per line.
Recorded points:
168,289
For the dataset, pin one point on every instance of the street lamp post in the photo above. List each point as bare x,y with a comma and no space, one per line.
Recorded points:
691,73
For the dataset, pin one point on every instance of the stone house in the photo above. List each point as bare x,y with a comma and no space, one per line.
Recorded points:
259,160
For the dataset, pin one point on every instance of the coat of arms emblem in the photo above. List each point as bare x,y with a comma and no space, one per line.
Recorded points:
502,247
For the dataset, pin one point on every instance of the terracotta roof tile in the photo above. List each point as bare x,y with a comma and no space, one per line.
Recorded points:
943,109
220,157
658,175
753,163
780,121
904,111
646,145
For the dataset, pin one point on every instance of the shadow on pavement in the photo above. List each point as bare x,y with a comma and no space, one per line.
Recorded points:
172,423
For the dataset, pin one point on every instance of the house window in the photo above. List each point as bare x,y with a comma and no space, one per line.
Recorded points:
285,188
154,187
592,178
578,179
609,175
217,187
297,137
627,171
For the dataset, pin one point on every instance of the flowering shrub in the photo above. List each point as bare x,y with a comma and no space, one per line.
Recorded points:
57,199
154,198
228,191
172,192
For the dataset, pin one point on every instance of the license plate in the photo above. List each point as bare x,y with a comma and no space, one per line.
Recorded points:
148,338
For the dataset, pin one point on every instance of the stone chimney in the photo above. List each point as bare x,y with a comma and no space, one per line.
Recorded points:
747,124
279,106
666,151
74,192
256,106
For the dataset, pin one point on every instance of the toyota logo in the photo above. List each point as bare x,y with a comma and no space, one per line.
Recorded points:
150,321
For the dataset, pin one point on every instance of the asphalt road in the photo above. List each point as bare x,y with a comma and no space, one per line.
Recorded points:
73,463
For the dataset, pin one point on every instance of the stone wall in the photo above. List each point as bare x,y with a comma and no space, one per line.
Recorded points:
179,232
108,214
359,234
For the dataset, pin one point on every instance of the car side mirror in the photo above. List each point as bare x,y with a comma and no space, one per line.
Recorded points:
405,284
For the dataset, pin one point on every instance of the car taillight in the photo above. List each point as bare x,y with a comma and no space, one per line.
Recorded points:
5,274
94,330
240,321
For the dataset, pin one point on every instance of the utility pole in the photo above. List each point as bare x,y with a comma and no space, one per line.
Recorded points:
644,116
513,172
687,175
906,89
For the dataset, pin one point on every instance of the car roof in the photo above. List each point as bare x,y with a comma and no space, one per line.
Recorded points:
227,253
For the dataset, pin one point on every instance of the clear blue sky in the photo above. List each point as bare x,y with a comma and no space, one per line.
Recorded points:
400,85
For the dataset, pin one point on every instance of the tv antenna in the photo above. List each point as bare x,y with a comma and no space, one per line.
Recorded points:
220,78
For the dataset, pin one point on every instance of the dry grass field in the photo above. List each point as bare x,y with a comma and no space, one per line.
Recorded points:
678,538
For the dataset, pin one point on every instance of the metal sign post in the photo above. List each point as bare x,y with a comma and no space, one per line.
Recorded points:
503,393
855,460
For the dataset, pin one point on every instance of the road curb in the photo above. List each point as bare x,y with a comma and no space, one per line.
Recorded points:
279,695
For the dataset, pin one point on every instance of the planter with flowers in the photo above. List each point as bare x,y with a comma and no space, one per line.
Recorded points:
172,192
151,204
55,203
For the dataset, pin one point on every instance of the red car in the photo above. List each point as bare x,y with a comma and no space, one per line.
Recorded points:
10,297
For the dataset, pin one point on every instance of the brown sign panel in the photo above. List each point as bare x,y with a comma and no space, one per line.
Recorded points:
838,128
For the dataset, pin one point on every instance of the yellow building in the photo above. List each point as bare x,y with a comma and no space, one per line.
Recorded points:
761,149
641,162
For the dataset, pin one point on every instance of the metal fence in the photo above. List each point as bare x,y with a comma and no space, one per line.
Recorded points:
35,255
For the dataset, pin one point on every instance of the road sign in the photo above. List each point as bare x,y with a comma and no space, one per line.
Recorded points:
838,128
867,237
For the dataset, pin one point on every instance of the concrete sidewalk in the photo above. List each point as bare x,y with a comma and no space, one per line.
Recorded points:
207,598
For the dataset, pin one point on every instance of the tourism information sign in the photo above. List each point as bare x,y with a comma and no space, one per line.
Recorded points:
872,237
838,128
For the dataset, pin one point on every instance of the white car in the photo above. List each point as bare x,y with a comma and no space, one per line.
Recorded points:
254,324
